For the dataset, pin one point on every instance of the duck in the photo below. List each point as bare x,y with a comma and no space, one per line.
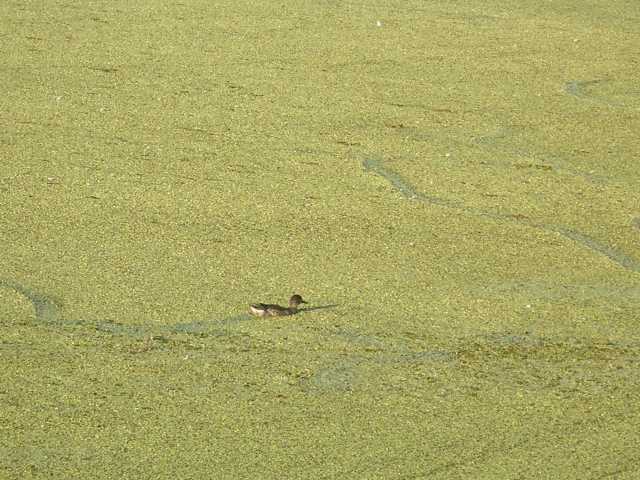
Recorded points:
268,310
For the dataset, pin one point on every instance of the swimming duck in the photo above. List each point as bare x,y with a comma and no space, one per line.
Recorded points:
267,310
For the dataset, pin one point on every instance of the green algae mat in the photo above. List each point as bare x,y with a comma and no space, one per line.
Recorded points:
453,186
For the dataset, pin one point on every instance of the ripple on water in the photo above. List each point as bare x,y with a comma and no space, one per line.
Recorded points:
338,378
199,327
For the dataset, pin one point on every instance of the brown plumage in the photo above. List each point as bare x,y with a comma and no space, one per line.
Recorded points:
269,310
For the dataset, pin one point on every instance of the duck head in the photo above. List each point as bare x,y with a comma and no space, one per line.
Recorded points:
295,300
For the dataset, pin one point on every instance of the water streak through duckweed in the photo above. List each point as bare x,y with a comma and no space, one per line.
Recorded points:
408,191
579,89
46,309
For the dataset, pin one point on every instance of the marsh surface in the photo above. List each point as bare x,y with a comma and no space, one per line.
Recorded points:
454,183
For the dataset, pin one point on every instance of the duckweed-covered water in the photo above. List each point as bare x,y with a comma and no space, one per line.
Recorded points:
452,187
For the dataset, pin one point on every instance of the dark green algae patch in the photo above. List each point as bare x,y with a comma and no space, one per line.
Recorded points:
469,215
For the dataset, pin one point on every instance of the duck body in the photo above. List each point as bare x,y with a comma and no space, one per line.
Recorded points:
271,310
